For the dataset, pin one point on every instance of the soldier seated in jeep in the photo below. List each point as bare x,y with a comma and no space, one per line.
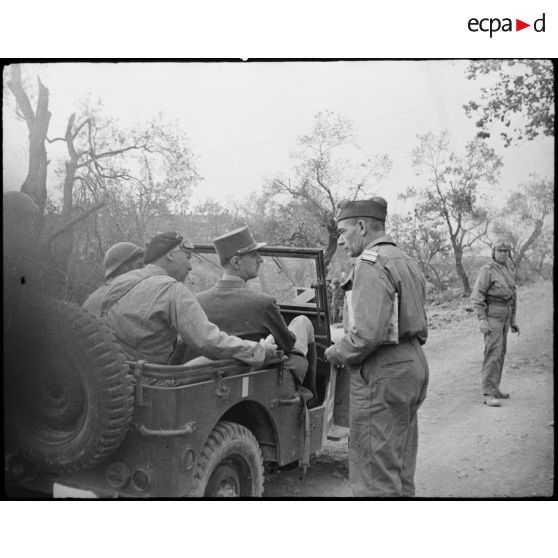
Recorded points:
148,309
119,259
241,311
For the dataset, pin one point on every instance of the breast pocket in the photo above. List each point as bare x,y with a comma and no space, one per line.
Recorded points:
499,289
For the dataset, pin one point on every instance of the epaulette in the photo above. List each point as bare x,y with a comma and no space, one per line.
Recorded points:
369,256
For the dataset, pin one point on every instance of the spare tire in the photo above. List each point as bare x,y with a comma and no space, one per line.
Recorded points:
68,391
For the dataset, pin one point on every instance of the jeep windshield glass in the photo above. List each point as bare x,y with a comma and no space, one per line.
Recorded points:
290,280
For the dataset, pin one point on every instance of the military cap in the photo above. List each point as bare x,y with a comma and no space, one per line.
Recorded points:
235,243
118,254
162,243
375,207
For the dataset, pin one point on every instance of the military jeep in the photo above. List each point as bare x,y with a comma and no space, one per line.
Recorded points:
83,422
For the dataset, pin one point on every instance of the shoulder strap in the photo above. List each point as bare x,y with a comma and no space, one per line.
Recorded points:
105,307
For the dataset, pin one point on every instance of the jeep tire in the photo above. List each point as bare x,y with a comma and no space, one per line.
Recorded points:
70,399
230,464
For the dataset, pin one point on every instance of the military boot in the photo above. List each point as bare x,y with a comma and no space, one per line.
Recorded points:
491,401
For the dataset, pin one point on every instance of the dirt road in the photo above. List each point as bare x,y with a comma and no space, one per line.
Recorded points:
466,449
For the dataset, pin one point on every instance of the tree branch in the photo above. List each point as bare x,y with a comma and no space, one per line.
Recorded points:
21,97
76,220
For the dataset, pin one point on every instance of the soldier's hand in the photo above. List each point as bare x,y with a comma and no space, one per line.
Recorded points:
331,356
270,348
515,328
485,327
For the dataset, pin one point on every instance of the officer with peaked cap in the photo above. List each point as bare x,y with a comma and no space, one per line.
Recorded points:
149,308
119,259
494,299
385,326
241,311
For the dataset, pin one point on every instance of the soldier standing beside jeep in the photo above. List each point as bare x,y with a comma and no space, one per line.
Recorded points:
494,299
389,372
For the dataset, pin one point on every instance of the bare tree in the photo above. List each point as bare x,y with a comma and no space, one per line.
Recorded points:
450,191
37,123
327,168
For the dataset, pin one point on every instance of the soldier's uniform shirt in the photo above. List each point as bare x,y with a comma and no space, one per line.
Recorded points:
494,298
147,310
235,307
388,382
94,301
239,310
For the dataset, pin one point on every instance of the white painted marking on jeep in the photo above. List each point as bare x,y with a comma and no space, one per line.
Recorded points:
245,382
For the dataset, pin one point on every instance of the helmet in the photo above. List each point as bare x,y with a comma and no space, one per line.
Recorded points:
18,205
119,254
20,214
501,244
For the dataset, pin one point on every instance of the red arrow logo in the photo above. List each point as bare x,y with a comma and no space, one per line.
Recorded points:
519,25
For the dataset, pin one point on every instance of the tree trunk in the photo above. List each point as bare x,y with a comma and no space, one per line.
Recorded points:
529,242
333,236
458,254
37,122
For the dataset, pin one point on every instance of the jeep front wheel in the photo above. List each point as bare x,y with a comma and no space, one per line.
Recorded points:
230,464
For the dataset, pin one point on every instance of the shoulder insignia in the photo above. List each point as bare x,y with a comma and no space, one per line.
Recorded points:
369,256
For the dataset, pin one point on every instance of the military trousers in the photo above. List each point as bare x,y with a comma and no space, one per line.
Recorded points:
495,346
386,392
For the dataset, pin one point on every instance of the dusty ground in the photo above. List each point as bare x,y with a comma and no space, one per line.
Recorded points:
468,450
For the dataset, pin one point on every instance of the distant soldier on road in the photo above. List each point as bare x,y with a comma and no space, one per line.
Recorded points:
494,299
119,259
385,326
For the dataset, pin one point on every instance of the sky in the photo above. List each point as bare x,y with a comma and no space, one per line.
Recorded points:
243,119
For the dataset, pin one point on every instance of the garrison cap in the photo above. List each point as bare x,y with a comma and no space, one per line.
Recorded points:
235,243
162,243
375,207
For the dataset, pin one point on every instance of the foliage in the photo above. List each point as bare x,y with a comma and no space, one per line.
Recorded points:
132,176
524,87
448,193
329,167
525,216
426,240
